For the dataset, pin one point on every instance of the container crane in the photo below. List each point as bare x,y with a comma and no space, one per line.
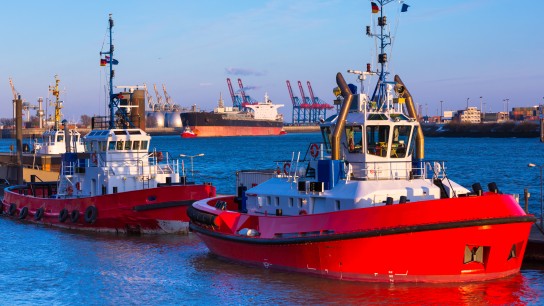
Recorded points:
236,100
242,92
306,104
245,99
299,115
319,105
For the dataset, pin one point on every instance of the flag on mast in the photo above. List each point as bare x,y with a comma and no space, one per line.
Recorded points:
375,8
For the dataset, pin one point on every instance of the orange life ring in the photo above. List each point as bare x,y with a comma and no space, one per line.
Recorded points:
286,168
69,190
314,150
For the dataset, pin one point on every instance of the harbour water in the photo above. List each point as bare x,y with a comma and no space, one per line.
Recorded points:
42,265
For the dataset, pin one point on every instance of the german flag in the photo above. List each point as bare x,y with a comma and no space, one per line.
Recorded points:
375,8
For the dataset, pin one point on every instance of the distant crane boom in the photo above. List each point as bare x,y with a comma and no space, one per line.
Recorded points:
150,101
159,98
242,92
314,101
295,102
166,96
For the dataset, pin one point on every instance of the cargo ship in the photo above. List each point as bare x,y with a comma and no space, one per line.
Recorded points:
242,119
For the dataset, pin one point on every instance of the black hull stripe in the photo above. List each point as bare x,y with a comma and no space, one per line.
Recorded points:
163,205
361,234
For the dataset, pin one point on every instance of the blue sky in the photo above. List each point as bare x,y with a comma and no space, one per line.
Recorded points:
443,50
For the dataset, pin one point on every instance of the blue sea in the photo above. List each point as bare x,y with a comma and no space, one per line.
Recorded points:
46,266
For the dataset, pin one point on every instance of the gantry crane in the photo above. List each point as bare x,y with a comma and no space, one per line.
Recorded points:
306,104
298,113
236,99
319,106
159,98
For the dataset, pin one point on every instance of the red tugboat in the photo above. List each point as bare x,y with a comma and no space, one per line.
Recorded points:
188,133
366,206
116,185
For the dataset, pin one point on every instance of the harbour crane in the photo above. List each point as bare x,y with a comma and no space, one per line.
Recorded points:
242,92
245,98
236,99
150,101
298,114
317,104
15,95
306,104
159,98
168,105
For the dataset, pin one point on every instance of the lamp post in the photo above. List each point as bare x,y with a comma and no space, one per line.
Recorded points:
441,111
531,165
507,112
191,157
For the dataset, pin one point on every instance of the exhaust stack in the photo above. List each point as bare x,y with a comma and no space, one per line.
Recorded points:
341,121
403,92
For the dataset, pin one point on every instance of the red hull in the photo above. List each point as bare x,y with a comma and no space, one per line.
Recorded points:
220,131
188,135
398,243
154,210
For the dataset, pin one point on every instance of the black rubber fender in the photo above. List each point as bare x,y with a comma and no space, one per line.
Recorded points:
38,215
199,216
23,213
12,209
63,215
74,216
91,213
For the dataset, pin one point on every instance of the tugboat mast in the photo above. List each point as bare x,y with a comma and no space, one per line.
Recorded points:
58,104
380,92
113,102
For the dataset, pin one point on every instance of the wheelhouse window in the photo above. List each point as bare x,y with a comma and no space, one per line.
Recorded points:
326,134
412,142
128,145
377,139
111,146
120,144
354,136
103,145
136,145
144,145
401,138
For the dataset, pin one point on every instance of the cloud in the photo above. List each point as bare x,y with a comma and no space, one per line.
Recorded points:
243,71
